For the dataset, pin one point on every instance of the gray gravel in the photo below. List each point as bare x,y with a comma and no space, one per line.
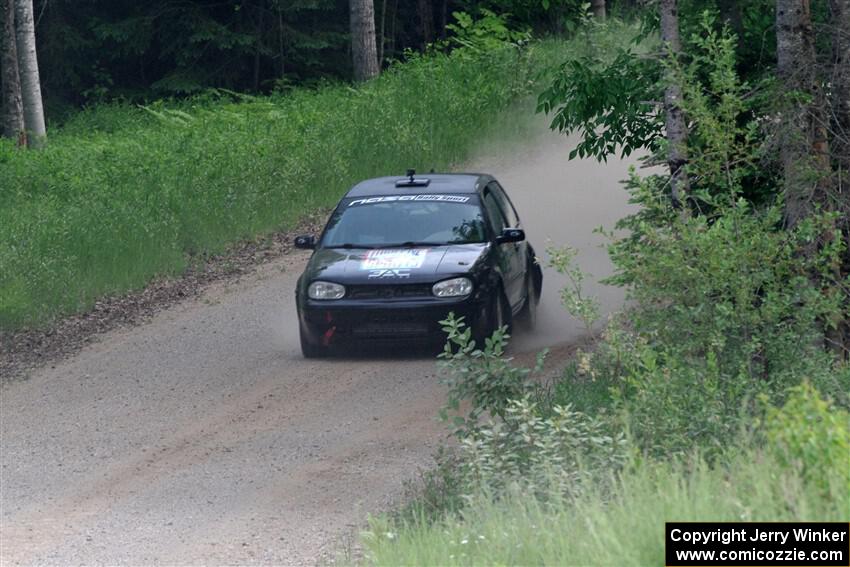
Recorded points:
203,437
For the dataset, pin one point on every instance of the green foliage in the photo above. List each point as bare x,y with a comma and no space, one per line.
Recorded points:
617,524
609,104
607,95
544,16
725,307
724,314
123,194
484,377
734,288
486,33
612,100
573,298
752,21
726,138
436,491
810,434
547,448
556,451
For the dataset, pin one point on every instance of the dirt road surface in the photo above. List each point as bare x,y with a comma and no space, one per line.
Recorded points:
203,437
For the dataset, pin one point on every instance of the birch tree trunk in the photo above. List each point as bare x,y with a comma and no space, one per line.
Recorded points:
804,148
674,121
28,66
13,110
597,7
363,49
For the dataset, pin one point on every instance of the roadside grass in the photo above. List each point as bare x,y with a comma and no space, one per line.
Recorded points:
623,525
123,194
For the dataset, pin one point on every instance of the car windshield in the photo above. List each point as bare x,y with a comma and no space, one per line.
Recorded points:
405,220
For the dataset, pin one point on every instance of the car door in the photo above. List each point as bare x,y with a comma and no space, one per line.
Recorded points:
510,254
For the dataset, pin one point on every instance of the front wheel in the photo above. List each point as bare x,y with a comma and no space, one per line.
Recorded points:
528,316
498,316
309,349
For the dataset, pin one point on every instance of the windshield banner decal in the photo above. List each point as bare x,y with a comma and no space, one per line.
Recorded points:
394,259
391,198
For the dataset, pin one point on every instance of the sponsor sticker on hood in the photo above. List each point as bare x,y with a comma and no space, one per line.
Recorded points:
394,259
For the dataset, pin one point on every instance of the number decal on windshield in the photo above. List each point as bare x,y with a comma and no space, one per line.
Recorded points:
391,198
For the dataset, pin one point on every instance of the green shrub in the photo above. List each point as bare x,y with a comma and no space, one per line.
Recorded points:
481,375
727,306
556,452
809,434
543,448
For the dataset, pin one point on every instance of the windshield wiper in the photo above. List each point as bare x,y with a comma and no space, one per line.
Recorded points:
412,244
349,245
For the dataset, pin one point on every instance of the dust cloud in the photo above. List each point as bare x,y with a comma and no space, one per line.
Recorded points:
560,202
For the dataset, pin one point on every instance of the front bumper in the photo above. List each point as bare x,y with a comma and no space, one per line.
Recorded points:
327,323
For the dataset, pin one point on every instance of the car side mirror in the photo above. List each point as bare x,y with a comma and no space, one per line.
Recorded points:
305,241
511,235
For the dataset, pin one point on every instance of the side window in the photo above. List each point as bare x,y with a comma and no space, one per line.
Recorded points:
494,212
505,204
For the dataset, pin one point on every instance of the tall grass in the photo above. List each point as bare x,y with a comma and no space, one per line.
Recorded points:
623,526
123,194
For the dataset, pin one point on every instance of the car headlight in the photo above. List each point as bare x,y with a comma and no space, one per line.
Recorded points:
455,287
325,290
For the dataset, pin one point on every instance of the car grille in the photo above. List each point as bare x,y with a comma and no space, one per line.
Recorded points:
390,330
389,291
395,324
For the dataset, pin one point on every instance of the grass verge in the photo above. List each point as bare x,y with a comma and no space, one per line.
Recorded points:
124,194
623,525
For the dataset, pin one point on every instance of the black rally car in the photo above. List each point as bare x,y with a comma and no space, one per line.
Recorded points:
398,254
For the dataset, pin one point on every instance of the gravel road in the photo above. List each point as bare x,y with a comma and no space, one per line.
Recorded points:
203,436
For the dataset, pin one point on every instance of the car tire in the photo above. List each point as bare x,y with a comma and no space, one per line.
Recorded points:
310,350
528,315
498,315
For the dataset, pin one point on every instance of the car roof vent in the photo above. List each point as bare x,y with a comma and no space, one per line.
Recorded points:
412,181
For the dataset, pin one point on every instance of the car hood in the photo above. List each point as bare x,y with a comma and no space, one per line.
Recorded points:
396,265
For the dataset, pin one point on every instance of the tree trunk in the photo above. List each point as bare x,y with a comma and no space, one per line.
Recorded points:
363,49
841,96
597,7
840,146
393,28
444,18
804,149
425,11
258,44
382,34
13,110
280,42
28,66
674,121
